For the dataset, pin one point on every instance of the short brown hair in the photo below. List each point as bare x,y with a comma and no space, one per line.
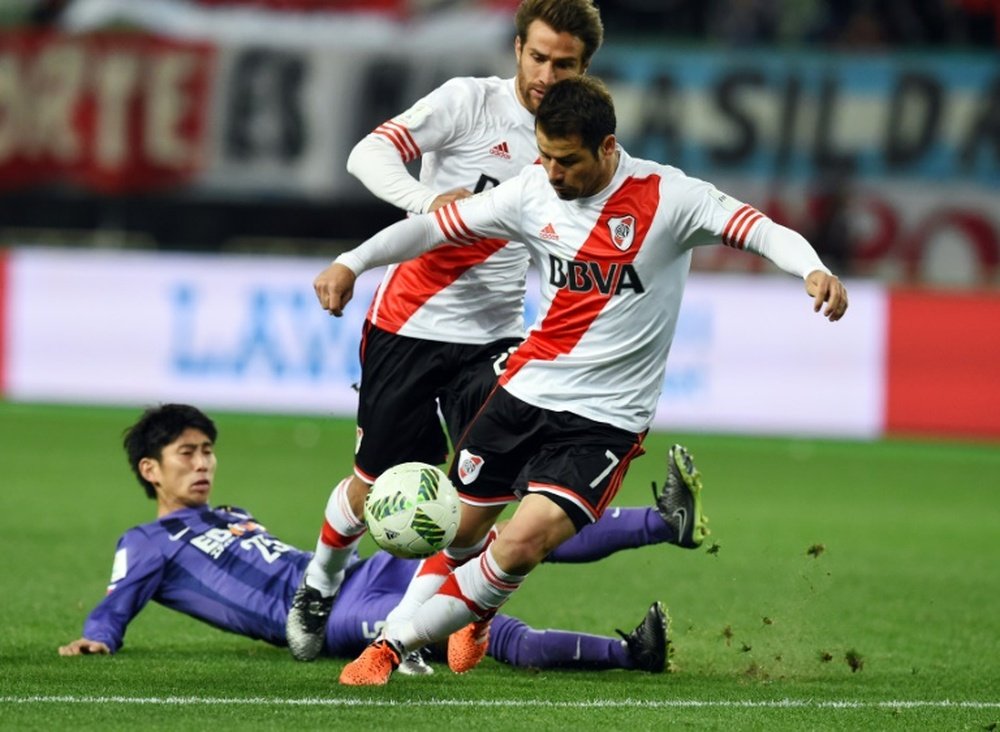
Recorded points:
579,18
580,105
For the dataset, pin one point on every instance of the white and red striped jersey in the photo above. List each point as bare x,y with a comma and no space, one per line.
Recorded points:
613,268
469,133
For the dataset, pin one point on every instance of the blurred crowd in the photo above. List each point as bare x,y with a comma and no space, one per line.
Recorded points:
866,24
938,201
825,23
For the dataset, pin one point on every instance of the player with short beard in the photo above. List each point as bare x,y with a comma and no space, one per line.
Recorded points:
613,236
437,324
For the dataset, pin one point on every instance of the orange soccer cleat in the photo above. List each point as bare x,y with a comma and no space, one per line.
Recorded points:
373,667
466,647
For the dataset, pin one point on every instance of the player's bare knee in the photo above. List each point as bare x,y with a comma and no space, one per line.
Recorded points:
519,553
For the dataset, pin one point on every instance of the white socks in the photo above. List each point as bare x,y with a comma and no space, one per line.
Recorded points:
472,592
429,577
341,532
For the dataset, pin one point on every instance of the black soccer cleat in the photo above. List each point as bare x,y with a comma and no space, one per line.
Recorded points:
679,500
305,628
649,644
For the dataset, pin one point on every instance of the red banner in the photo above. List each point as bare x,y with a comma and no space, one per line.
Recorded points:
397,7
112,112
943,364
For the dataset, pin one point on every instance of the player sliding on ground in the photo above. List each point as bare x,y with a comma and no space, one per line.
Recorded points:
219,565
612,236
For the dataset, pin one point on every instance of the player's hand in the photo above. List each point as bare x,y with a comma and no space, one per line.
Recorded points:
449,197
84,647
334,288
825,288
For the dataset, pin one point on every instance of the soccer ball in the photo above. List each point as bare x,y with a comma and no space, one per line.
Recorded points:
412,510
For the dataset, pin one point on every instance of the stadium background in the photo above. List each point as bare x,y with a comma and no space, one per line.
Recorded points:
171,179
172,176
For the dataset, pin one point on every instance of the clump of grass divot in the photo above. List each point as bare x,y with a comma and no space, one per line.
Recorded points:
855,660
816,550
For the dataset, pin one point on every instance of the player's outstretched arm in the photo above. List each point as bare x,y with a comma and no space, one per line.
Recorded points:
84,647
790,251
826,288
404,240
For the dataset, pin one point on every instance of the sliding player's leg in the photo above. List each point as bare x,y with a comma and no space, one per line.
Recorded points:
644,649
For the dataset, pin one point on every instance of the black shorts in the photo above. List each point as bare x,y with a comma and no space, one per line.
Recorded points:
403,380
513,448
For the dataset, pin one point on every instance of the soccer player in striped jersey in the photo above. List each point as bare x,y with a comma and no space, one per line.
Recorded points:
612,236
437,324
221,566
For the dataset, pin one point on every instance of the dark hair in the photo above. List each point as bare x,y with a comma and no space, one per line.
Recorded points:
580,105
157,428
579,18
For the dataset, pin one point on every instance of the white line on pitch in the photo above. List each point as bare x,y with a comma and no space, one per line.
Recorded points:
596,703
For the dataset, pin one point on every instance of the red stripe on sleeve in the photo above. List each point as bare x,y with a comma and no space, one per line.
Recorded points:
744,231
401,139
406,137
453,227
395,142
734,223
460,224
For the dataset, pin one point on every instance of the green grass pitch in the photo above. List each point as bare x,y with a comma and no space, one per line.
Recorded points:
846,585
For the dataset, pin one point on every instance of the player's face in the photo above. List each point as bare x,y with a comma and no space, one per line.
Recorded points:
184,473
574,171
544,58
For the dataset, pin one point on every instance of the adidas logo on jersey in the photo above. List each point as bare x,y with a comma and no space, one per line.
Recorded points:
549,232
501,150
